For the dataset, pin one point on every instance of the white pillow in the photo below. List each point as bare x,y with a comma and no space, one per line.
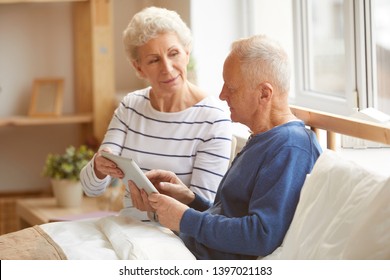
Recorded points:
343,213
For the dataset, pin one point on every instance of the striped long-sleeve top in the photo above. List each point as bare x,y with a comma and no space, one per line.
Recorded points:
194,143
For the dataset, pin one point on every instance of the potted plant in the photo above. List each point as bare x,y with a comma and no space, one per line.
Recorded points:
64,172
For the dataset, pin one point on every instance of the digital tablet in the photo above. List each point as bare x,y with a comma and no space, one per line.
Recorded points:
131,172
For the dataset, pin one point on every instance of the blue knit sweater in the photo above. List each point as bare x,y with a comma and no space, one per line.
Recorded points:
257,197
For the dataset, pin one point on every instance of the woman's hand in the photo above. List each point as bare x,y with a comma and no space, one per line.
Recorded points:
104,166
139,198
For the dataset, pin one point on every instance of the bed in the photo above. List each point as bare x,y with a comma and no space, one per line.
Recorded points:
343,213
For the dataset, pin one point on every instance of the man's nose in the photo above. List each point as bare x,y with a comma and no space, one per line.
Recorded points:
222,94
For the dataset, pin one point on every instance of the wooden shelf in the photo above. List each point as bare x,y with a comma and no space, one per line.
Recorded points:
28,121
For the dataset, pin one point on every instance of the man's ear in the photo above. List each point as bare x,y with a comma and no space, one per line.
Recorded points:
265,91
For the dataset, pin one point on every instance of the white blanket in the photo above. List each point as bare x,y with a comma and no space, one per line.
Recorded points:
116,237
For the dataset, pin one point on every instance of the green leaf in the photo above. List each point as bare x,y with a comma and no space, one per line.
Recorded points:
69,164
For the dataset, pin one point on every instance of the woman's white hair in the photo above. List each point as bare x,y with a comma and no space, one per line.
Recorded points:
263,59
151,22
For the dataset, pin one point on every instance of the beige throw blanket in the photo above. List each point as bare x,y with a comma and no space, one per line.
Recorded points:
29,244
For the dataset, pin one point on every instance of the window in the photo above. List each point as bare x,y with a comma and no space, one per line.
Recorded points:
381,53
343,53
325,52
326,48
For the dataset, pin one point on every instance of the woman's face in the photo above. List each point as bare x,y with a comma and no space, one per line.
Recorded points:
163,62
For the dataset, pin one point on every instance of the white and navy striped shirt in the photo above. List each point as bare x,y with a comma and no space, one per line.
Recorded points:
194,143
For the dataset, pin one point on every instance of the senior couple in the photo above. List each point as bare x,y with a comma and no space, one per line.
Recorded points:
181,138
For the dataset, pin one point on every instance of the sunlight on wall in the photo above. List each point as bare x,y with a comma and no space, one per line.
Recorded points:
215,24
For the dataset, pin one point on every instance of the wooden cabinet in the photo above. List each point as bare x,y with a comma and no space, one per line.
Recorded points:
93,69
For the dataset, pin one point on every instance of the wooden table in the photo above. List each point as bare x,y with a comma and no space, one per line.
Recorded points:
36,211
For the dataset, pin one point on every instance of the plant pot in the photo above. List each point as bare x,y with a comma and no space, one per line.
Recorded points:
68,193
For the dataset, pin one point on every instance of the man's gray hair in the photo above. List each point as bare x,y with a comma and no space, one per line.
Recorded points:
151,22
263,60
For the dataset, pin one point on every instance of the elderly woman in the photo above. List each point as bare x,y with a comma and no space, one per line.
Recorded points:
172,124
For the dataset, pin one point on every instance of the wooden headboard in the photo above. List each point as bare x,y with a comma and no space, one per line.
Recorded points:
333,124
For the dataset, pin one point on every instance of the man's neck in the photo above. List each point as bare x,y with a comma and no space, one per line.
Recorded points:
271,120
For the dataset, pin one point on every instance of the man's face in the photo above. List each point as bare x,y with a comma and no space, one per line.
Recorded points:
237,93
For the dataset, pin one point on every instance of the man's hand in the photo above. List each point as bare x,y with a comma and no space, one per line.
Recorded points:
169,184
168,210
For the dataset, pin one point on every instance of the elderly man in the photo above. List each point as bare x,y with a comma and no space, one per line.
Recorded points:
258,195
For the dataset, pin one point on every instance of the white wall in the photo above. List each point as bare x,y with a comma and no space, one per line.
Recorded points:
274,19
215,25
